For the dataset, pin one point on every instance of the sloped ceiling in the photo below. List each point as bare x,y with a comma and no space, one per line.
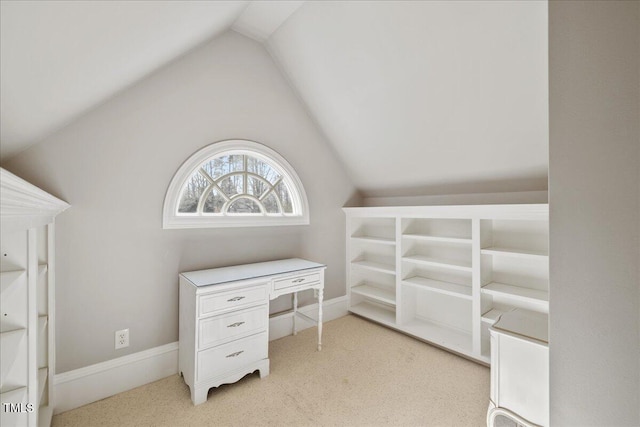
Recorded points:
426,97
60,58
415,97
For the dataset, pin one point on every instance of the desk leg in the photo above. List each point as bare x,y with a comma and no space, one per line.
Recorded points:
295,313
320,295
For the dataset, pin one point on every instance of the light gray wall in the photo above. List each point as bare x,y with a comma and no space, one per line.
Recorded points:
594,188
116,267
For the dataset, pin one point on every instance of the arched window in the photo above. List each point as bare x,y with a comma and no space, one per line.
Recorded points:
235,183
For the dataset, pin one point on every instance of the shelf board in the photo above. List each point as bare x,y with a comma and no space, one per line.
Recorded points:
11,328
375,266
373,292
11,274
516,292
15,395
376,240
375,312
443,239
448,288
513,252
492,315
452,265
8,266
439,334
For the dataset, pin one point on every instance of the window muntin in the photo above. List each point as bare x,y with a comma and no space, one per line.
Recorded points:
238,184
235,183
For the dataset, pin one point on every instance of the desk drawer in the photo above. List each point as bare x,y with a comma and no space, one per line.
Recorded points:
234,325
293,281
225,358
210,304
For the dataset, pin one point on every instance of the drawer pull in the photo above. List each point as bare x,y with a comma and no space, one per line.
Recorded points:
237,353
298,280
235,325
235,299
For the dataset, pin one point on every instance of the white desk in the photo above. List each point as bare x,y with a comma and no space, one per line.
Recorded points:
224,318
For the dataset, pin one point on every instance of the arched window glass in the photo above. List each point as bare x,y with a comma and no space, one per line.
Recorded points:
235,183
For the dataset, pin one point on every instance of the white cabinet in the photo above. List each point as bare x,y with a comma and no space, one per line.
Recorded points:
372,267
444,274
520,368
224,318
223,333
27,284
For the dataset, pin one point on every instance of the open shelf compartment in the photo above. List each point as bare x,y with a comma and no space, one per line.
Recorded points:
374,257
442,319
516,281
515,238
452,282
380,313
436,251
13,299
374,230
439,334
14,357
376,293
450,230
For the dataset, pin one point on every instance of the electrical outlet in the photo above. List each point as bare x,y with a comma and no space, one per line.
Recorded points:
122,338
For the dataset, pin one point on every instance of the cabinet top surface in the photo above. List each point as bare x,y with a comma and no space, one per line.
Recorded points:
217,276
524,323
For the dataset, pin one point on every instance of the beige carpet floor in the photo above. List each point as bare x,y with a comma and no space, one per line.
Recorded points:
365,375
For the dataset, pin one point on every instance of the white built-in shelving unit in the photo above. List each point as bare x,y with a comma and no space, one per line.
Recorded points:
26,302
444,274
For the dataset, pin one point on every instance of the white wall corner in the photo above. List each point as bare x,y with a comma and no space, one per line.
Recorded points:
82,386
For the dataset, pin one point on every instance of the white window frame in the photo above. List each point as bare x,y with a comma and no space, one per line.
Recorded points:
172,219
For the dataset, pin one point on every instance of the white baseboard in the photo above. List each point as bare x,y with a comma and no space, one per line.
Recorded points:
82,386
79,387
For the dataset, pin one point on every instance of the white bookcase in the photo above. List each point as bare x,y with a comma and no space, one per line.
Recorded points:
26,302
372,272
444,274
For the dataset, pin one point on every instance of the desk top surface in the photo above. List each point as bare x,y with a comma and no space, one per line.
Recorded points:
217,276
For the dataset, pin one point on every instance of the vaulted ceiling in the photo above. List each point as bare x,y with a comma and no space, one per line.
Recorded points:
415,97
